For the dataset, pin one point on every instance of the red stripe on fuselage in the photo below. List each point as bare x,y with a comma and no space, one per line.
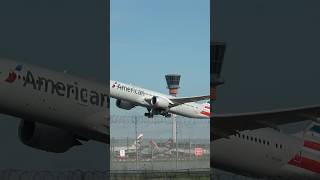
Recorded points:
312,145
305,163
205,113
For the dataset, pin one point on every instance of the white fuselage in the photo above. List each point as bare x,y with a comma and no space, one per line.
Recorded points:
266,153
56,99
138,96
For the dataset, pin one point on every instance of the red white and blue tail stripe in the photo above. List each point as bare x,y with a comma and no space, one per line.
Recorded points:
205,109
309,158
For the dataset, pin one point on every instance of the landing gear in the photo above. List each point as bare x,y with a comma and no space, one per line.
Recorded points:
152,112
149,114
168,115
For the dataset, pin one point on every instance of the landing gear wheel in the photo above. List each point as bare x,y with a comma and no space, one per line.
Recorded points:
149,115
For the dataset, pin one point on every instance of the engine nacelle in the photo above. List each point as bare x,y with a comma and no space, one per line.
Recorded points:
160,102
124,104
45,137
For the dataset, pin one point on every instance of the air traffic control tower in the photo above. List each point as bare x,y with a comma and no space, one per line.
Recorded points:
173,81
217,50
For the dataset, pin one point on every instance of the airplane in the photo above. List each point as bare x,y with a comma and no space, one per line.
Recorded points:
190,152
252,144
57,110
129,96
163,150
136,146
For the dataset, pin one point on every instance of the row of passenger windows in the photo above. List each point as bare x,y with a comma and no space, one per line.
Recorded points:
258,140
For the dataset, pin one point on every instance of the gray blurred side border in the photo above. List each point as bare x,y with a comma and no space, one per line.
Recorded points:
15,174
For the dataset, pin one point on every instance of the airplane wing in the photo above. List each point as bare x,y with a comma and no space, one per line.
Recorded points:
230,124
182,100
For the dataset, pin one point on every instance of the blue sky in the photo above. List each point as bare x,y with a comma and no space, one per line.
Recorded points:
152,38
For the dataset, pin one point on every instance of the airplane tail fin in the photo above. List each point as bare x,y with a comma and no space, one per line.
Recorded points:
311,136
137,143
169,144
140,138
154,145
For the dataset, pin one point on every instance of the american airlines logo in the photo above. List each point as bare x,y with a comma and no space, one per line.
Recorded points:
68,90
12,75
127,89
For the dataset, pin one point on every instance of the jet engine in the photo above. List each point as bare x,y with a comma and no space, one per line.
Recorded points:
45,137
160,102
124,104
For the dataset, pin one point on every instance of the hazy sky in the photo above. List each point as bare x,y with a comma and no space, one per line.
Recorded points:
152,38
60,35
